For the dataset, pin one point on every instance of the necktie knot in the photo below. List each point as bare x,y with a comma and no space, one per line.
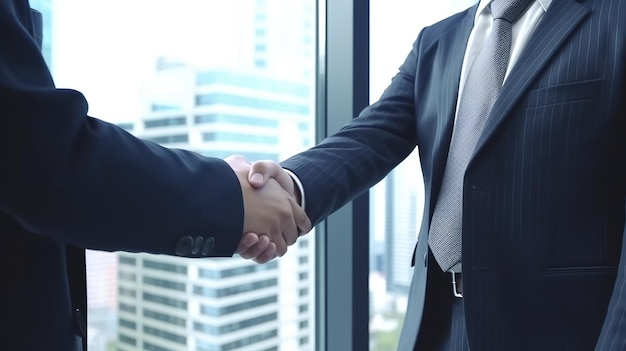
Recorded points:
508,10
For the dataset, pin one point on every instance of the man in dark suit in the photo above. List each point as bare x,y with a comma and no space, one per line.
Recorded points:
541,194
69,182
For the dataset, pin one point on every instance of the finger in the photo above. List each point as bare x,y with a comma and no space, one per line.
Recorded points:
247,241
290,229
303,222
257,249
267,255
281,245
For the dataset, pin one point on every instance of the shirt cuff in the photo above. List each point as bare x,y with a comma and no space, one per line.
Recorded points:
299,184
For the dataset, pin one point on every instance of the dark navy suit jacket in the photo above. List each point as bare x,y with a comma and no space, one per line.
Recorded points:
544,194
69,182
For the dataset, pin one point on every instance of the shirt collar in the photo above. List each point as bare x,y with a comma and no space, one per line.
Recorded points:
484,6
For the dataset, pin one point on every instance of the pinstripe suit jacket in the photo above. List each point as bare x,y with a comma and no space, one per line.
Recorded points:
545,191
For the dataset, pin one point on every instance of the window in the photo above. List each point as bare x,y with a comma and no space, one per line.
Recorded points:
238,271
162,283
235,289
236,120
165,300
165,335
234,327
169,139
240,138
162,266
164,122
397,202
222,311
301,109
125,323
125,339
126,292
164,317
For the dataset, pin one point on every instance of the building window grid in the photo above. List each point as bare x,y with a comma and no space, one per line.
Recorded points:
164,317
124,291
208,346
165,122
234,290
240,138
127,308
222,311
248,121
125,260
163,266
163,283
125,339
127,324
265,84
238,271
252,102
152,347
169,139
162,334
165,300
236,326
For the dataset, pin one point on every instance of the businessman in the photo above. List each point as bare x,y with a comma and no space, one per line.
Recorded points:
518,110
70,182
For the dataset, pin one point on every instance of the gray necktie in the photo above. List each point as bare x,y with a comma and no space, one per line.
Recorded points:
479,94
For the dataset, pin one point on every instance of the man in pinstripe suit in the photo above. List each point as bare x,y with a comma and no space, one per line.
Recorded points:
543,195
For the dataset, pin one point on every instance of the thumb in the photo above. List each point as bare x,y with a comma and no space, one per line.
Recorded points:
262,171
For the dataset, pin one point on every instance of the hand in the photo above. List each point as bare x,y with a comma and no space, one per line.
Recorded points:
269,210
262,171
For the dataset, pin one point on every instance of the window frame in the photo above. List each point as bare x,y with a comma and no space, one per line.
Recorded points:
342,296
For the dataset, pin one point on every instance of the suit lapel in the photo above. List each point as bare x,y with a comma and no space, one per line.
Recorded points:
562,17
453,42
451,56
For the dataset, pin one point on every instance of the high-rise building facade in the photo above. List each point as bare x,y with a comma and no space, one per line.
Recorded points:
172,303
259,105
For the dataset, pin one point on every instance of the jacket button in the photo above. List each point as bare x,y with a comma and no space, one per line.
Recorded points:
184,245
207,248
197,245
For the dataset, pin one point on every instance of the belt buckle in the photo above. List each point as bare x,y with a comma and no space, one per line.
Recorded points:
454,290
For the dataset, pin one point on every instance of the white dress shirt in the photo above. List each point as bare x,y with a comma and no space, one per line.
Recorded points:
522,31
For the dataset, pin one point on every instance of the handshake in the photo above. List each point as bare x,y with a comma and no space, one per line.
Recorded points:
273,215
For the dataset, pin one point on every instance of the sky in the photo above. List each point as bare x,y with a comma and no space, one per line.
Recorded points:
105,49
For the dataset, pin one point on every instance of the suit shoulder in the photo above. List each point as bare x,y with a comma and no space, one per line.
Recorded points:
435,30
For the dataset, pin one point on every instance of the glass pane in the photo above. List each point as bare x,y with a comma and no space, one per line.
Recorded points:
397,202
218,78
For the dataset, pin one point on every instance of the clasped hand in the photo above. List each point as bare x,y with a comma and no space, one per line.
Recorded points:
273,218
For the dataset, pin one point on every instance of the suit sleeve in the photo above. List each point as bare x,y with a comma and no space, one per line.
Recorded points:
613,335
89,183
349,162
